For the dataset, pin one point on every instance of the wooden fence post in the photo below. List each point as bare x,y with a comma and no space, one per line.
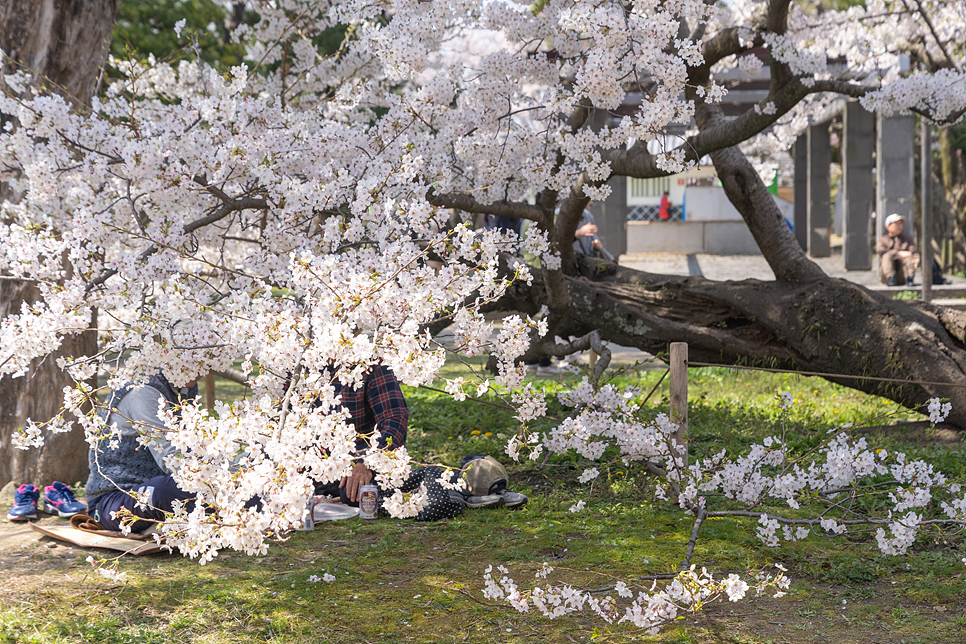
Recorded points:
210,391
679,394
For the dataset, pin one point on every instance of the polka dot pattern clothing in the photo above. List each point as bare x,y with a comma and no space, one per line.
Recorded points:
440,505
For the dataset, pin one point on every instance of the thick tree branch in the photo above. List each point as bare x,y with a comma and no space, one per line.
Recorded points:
516,210
233,204
844,87
777,23
720,133
571,209
748,194
590,340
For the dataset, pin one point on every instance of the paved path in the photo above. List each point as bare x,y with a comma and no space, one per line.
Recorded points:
739,267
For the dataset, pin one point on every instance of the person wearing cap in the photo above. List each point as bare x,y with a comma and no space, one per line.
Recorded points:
898,258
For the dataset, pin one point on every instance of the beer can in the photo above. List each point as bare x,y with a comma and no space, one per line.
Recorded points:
368,502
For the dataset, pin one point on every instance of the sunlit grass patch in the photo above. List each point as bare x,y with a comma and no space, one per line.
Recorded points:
398,581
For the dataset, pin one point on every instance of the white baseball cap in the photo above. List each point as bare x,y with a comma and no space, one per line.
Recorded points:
893,218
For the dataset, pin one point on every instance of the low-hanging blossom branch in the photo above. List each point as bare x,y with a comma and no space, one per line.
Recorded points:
145,207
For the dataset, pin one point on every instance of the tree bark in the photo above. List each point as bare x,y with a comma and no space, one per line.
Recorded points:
39,396
65,42
824,325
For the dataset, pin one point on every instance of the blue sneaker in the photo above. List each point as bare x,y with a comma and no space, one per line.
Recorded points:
24,503
59,500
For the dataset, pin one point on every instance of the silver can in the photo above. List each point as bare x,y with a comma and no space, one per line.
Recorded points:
308,522
368,502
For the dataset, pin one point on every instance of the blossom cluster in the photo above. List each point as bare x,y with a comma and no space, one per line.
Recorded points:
608,425
649,609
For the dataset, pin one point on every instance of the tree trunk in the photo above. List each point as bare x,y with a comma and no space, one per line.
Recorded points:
39,396
823,325
66,43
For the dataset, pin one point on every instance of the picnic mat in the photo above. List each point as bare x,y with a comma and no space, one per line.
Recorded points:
77,537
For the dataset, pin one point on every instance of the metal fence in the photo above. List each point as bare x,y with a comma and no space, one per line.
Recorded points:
648,212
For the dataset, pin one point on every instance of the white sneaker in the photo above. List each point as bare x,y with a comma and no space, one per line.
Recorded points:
513,499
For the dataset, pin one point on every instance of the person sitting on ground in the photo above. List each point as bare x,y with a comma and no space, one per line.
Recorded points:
118,475
116,472
898,258
378,404
586,240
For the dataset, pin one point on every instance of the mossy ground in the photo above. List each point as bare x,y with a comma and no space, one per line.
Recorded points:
401,581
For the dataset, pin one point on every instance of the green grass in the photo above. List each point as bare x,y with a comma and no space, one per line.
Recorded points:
401,581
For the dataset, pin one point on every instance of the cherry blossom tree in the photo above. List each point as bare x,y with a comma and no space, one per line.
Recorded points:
294,213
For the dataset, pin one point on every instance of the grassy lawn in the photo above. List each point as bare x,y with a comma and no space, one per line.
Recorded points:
401,581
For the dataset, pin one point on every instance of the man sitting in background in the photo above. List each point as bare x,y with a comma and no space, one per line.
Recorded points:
586,240
898,258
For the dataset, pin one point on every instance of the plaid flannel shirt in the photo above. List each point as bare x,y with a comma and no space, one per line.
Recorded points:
378,405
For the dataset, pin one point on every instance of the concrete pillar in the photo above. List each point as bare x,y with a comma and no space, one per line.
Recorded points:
801,191
611,215
857,185
612,222
819,191
895,143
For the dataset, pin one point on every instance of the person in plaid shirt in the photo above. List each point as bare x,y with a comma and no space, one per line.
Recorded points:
378,405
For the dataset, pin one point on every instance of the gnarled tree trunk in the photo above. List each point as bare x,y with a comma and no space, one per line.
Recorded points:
66,43
820,325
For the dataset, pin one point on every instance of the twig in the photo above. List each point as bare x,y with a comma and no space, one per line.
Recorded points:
466,594
658,384
694,539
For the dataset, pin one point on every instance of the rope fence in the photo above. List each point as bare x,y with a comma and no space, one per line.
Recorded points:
677,370
827,375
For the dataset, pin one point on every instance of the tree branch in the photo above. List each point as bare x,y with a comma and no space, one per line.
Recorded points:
515,210
694,539
229,206
591,340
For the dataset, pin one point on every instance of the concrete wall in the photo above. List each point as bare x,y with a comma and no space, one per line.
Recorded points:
715,237
712,226
708,203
